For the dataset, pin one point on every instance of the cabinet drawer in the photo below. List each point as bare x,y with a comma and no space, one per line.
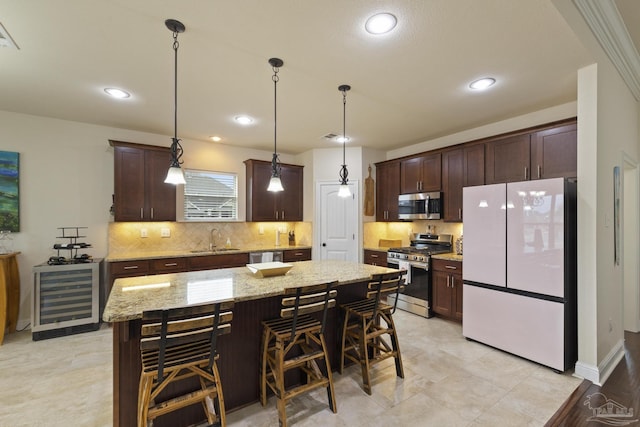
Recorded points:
445,265
169,265
375,257
212,262
133,268
296,255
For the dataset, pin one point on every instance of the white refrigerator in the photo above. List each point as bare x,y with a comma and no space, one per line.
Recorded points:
519,290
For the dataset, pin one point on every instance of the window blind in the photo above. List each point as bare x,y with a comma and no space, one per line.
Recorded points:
210,195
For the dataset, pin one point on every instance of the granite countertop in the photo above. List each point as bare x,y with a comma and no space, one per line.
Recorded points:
131,296
450,256
141,255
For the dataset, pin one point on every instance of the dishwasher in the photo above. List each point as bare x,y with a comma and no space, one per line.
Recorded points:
267,256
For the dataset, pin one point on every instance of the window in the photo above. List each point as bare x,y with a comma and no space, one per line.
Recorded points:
210,196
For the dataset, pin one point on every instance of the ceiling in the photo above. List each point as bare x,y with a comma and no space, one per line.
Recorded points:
408,86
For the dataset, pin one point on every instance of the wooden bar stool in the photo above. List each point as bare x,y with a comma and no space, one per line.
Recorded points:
177,344
367,321
296,341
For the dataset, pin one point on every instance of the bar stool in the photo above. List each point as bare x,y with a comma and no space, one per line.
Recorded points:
367,321
296,341
177,344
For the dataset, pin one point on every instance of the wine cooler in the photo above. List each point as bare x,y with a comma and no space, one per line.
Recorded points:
65,299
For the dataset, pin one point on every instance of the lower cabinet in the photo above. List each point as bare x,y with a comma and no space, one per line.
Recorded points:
212,262
293,255
447,288
375,257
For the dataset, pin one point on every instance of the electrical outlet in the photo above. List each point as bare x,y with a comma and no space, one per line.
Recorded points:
143,232
165,232
261,230
610,326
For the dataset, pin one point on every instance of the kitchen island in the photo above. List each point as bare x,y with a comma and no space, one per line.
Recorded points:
257,299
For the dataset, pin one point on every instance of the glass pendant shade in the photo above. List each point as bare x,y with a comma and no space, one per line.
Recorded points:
344,191
275,184
175,176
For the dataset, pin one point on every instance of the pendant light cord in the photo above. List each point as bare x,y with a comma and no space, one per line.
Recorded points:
344,125
175,85
275,79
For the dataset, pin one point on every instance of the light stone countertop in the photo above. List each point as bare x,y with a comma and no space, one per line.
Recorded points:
141,255
450,256
133,295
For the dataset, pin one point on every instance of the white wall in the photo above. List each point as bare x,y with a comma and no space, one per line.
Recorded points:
608,123
66,179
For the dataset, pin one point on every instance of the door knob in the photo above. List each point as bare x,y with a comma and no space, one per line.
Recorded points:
324,245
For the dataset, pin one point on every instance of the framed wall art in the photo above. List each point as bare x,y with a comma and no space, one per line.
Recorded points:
9,191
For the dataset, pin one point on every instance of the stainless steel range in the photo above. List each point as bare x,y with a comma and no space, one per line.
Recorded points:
416,260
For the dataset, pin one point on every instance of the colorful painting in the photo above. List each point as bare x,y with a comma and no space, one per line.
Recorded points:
9,191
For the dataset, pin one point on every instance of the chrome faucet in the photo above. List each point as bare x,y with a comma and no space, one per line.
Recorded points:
212,238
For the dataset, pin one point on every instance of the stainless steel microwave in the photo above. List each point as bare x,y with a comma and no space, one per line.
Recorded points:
420,206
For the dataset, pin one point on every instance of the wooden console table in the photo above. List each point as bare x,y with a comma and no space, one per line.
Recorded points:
9,293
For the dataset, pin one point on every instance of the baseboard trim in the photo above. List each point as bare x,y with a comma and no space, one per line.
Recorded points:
599,374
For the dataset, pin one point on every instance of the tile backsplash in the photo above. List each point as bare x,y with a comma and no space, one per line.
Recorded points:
126,237
374,231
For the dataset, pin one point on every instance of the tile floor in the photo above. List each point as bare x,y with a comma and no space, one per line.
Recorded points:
449,381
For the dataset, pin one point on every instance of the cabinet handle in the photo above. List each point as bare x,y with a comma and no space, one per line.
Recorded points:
459,213
448,278
526,169
539,171
277,215
283,215
170,264
151,213
141,213
451,267
130,267
374,256
453,282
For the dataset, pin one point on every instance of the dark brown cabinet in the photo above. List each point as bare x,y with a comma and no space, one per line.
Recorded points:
387,190
461,167
293,255
554,152
452,182
140,193
508,159
545,153
447,288
375,257
421,174
263,205
212,262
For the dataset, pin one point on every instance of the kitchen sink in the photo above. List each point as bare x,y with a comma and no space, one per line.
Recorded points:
213,251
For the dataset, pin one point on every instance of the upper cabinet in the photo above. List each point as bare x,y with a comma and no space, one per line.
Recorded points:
461,167
421,174
545,153
387,190
508,159
140,193
263,205
554,152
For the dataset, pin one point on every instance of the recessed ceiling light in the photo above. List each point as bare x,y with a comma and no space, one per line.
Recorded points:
215,138
482,84
380,23
341,139
117,93
244,120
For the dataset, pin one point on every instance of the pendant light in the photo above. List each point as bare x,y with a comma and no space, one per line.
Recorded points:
344,186
175,175
275,184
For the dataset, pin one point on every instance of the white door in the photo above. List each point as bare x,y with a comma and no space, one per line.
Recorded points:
485,234
338,223
535,236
